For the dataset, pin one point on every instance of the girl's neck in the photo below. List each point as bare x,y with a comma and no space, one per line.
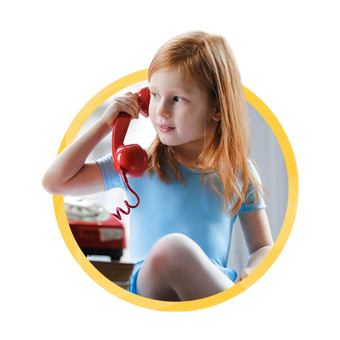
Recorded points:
188,160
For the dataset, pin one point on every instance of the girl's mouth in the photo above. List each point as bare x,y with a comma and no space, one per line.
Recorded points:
165,128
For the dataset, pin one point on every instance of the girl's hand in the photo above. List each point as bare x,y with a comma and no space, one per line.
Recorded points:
244,273
126,103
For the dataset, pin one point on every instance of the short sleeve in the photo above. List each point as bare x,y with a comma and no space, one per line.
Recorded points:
250,196
110,175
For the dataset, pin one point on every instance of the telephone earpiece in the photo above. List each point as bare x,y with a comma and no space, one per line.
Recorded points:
129,160
143,98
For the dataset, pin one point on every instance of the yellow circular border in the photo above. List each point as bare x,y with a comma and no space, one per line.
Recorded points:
73,247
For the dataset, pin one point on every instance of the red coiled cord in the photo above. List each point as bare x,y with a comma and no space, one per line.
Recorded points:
120,210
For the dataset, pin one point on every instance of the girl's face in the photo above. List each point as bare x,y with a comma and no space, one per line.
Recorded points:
180,113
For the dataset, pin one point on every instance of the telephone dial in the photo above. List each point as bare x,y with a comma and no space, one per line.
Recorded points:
129,160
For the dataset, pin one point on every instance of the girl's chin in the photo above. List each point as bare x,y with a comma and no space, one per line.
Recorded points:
168,141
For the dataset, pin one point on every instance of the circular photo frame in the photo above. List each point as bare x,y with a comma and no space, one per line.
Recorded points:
123,294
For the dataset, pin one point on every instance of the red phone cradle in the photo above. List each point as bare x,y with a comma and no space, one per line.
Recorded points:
129,160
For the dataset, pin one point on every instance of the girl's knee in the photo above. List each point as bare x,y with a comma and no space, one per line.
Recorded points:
173,252
175,244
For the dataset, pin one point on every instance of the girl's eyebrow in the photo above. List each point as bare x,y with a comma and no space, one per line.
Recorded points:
173,90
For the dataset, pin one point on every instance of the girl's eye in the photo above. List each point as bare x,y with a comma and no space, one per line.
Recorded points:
155,95
177,99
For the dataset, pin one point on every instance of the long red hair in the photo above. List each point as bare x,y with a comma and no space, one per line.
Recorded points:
207,61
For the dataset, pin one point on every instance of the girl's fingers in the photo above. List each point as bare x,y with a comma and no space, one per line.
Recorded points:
129,107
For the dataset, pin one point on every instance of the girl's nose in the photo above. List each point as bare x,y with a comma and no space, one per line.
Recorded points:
163,110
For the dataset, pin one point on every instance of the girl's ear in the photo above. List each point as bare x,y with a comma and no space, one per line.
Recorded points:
217,114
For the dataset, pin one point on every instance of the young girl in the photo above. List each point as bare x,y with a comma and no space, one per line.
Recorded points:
198,179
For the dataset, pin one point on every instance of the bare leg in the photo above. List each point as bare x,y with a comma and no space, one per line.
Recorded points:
177,269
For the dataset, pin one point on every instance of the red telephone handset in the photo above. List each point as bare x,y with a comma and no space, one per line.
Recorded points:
129,160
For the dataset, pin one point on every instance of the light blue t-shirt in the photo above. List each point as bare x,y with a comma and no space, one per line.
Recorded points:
193,210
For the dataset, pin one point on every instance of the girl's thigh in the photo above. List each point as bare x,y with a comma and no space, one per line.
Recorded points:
177,269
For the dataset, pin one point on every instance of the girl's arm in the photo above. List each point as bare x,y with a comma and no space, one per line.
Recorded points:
258,238
69,173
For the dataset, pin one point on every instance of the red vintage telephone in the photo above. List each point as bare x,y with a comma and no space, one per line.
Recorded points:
129,160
